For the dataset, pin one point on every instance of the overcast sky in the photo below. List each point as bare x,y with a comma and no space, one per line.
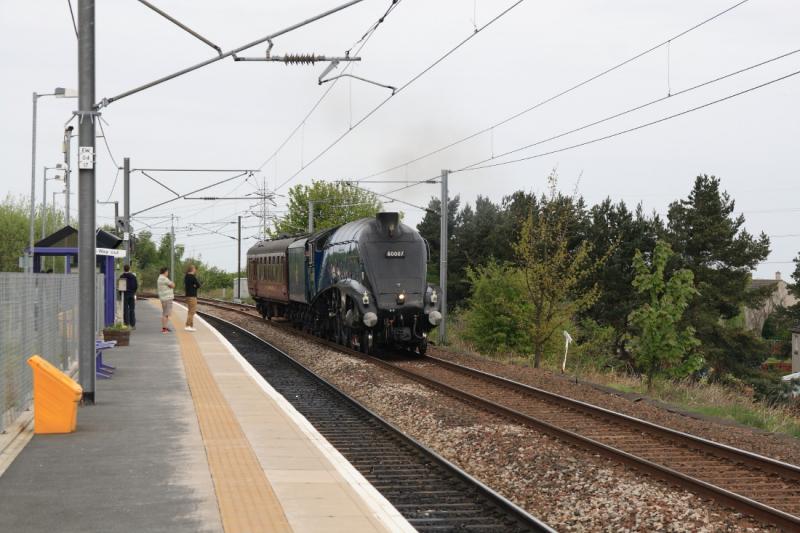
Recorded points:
235,114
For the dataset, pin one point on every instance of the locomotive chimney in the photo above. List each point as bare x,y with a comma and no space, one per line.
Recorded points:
388,222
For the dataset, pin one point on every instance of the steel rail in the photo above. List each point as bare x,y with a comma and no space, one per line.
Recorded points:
503,503
748,505
781,468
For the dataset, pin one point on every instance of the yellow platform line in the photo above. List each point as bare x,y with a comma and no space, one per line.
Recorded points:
246,500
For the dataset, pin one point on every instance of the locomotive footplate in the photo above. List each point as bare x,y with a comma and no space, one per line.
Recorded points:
400,334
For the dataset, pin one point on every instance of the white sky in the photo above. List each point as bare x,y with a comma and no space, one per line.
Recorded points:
234,115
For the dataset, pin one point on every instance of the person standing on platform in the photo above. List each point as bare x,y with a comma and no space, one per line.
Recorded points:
166,295
191,285
129,297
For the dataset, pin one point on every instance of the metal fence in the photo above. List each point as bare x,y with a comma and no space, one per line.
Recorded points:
38,316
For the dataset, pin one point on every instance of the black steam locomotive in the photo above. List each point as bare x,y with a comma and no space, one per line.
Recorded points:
361,284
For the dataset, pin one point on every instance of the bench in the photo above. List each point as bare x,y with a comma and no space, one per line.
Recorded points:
103,371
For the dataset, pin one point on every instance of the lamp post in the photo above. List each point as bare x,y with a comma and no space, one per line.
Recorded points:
58,92
45,179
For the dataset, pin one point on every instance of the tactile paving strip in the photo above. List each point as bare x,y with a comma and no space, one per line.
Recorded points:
247,502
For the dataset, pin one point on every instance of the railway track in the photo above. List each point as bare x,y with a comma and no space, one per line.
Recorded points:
431,493
759,486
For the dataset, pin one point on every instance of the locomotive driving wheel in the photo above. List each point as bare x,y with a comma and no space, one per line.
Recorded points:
366,341
423,347
340,336
348,337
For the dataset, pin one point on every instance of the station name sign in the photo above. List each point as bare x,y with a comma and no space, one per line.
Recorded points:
110,251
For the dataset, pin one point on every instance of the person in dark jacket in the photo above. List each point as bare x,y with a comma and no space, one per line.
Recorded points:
129,297
191,285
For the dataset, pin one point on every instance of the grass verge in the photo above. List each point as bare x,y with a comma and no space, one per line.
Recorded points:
708,399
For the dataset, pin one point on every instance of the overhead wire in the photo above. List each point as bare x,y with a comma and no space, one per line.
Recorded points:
401,89
72,16
220,182
474,166
388,197
558,95
635,128
113,159
364,40
374,26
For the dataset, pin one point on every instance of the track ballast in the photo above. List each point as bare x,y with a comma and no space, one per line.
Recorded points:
759,486
431,493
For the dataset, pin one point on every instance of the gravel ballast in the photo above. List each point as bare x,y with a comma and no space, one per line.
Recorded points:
568,487
777,446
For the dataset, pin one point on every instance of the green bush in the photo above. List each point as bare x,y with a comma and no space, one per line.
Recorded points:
594,347
770,389
495,319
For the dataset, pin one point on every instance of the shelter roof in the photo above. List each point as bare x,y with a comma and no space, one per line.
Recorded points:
67,237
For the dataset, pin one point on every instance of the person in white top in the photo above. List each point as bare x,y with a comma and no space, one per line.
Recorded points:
166,295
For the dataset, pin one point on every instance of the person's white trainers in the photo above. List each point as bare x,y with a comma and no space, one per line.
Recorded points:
190,328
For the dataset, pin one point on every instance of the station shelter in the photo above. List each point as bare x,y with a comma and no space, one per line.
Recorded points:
64,243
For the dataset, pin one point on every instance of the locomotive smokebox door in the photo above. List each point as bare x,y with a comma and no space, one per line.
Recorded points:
389,222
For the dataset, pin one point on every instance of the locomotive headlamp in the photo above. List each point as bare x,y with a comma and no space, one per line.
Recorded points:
370,319
434,317
401,298
434,297
365,298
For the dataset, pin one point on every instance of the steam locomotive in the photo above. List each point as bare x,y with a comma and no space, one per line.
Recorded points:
362,284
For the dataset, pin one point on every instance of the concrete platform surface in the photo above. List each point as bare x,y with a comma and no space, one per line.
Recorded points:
187,437
319,490
136,463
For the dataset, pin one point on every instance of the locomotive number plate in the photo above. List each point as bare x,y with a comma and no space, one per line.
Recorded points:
396,253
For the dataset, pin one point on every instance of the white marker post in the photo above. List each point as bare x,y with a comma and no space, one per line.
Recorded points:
567,342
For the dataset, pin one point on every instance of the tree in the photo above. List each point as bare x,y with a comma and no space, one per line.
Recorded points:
335,203
476,241
15,228
495,320
710,241
478,238
660,343
791,315
164,253
429,228
619,233
795,287
554,268
145,253
515,209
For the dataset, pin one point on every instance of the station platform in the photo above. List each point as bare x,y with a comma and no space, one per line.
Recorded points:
187,437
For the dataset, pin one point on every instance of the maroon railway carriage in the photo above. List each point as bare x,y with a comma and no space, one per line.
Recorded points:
268,272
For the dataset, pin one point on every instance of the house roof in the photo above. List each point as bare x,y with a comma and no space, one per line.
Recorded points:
761,283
